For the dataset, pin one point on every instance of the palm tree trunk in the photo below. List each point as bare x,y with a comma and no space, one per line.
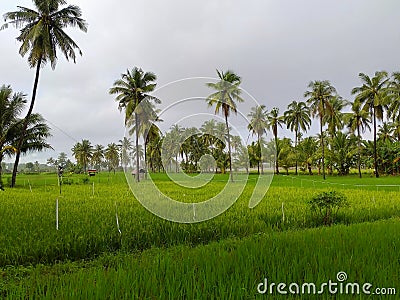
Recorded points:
359,150
1,173
137,146
276,148
229,148
145,158
21,139
295,148
375,154
261,155
323,148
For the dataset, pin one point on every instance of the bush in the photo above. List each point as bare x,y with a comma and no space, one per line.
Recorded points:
327,204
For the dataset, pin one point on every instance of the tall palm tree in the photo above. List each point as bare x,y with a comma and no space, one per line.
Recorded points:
83,152
148,115
42,33
318,96
131,90
275,121
227,92
373,95
258,124
297,118
358,120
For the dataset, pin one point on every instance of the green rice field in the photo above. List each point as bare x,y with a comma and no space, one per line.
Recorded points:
106,245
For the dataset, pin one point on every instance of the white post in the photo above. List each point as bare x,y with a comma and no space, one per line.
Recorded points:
283,213
116,217
57,214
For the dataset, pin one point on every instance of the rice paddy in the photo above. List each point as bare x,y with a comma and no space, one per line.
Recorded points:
101,243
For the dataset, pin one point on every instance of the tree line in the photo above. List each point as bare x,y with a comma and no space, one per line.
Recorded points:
339,146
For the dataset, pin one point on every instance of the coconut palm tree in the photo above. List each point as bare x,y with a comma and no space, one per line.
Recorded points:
131,90
227,92
11,106
208,129
111,154
83,153
98,156
308,149
372,93
257,126
385,132
275,121
394,106
318,96
358,120
36,134
297,119
148,115
42,34
334,115
125,148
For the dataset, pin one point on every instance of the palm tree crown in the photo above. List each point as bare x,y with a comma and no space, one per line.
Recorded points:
42,30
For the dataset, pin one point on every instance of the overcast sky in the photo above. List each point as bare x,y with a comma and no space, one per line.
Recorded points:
277,47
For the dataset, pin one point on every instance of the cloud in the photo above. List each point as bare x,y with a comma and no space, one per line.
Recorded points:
277,47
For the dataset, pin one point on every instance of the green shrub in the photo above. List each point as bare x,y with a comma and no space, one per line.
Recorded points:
327,204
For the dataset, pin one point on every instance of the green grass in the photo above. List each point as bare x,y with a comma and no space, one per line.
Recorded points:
89,248
229,269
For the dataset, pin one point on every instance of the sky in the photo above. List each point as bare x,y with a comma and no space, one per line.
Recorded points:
276,46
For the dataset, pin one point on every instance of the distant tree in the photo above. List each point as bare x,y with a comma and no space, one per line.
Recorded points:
83,152
30,166
37,167
111,155
62,159
98,156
